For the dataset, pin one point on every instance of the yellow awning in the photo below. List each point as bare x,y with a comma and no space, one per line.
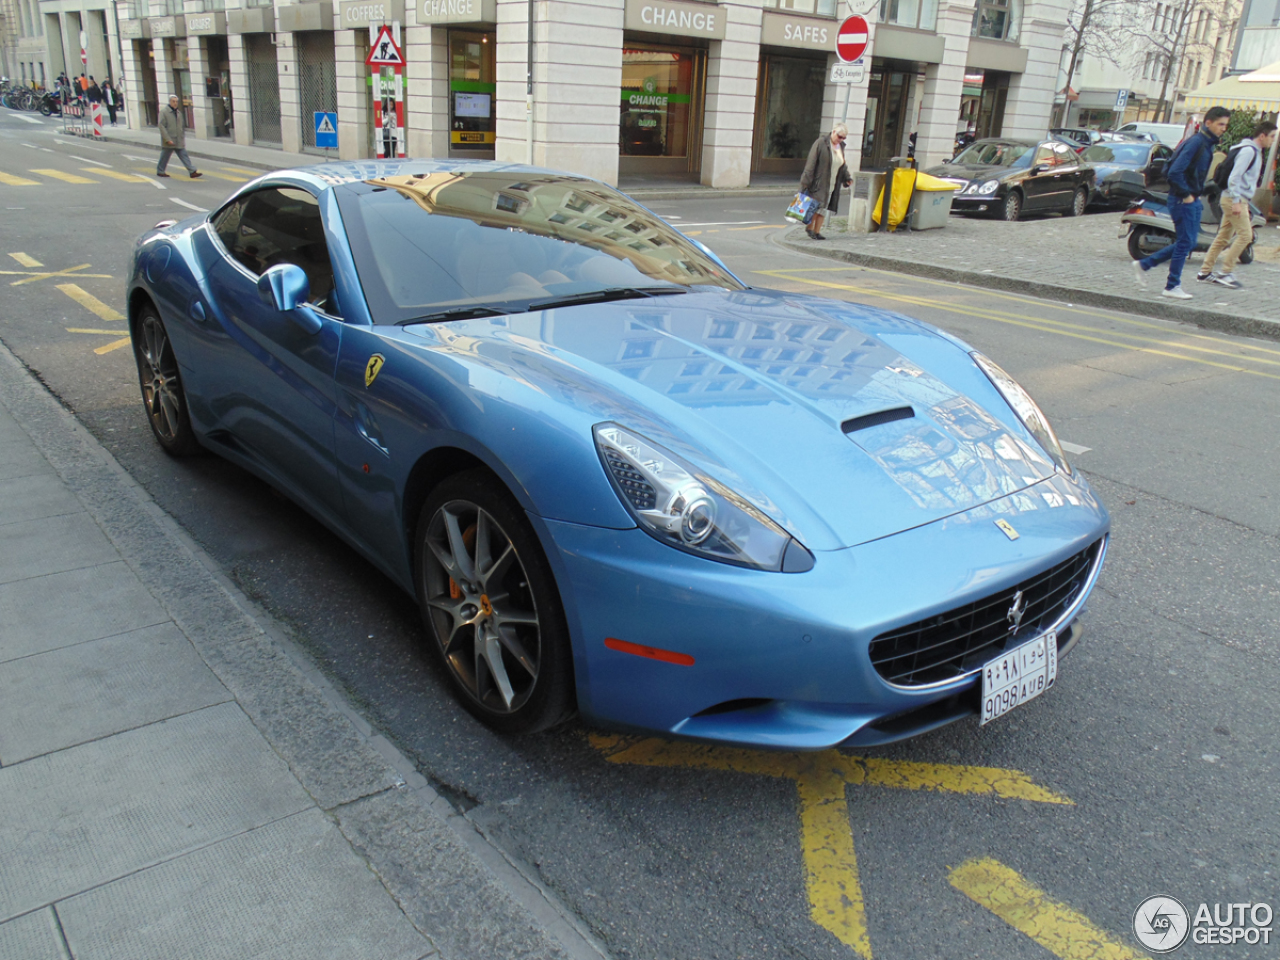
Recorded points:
1258,91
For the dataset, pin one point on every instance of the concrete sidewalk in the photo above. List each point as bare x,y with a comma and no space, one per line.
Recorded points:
175,780
1078,260
267,158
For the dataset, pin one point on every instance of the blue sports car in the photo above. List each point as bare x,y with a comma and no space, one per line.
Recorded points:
620,481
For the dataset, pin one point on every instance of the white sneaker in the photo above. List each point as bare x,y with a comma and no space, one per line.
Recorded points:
1139,274
1177,293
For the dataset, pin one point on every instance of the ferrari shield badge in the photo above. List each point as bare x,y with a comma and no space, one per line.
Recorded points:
1005,526
373,368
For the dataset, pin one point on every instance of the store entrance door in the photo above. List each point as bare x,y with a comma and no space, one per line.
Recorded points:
995,91
788,113
660,129
472,91
888,91
146,59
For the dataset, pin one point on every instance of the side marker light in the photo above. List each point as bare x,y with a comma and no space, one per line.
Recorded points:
652,653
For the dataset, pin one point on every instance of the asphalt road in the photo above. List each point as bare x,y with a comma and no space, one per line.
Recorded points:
1150,767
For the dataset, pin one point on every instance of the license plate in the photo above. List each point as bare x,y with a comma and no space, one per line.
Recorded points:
1018,675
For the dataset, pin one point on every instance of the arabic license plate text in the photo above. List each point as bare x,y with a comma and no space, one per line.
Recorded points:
1018,675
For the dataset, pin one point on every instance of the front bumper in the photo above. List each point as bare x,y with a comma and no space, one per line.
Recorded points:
976,203
781,660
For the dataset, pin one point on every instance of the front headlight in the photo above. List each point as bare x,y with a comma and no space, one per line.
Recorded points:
680,505
1028,410
989,187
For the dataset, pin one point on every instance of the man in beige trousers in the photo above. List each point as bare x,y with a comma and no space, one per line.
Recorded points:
1237,225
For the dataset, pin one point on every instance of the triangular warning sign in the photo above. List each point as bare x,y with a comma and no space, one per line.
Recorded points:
384,52
326,126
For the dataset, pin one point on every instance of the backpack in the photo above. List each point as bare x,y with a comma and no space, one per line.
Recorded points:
1223,174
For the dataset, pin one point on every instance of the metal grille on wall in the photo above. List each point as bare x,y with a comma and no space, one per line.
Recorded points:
264,87
317,81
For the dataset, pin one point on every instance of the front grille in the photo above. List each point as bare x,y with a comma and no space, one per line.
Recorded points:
954,643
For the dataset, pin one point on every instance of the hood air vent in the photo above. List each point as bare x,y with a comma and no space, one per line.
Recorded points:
875,419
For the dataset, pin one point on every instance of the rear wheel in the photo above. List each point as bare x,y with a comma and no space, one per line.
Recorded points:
1012,209
489,599
162,393
1079,200
1246,255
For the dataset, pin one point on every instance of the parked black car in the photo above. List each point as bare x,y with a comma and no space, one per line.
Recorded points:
1126,169
1008,178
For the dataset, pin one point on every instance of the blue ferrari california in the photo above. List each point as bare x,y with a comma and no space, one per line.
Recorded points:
618,480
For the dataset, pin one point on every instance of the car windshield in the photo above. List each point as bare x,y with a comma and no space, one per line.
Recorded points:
994,153
1134,154
445,245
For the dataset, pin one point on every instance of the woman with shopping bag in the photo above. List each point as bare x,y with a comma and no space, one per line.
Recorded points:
824,173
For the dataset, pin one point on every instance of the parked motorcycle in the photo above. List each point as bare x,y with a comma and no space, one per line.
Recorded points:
1149,227
50,104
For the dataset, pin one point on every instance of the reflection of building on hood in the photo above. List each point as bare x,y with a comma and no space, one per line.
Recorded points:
566,208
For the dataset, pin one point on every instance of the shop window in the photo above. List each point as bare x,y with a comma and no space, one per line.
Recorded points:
472,89
657,88
997,19
917,14
793,106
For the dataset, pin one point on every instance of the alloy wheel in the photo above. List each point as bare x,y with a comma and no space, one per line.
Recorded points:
481,607
158,369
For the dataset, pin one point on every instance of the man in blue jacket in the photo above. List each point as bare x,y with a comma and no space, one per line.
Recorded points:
1186,173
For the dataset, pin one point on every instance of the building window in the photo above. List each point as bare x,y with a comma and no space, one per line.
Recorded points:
472,90
997,19
918,14
823,8
657,88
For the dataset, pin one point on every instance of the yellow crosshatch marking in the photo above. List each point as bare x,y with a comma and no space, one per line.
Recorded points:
1026,908
26,260
1187,343
9,180
826,837
59,175
114,345
225,176
33,277
90,302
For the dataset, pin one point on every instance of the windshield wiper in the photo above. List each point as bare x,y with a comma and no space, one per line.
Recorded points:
604,296
457,313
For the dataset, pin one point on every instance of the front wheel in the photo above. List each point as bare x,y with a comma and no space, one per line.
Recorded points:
162,393
1012,209
489,599
1079,200
46,110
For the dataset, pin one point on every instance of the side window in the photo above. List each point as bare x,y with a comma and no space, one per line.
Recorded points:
1044,154
283,225
226,222
1062,153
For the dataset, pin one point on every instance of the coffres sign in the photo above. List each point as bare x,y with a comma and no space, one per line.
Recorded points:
677,19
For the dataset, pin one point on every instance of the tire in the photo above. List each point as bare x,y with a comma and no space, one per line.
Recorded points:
1012,209
1246,256
514,676
45,110
162,395
1079,201
1136,237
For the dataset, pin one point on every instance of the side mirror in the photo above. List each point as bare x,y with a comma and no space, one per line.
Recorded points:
1040,168
286,287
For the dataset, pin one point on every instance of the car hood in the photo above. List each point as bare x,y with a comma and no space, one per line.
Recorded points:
780,398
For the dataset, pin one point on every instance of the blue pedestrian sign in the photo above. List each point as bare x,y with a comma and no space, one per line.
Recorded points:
327,130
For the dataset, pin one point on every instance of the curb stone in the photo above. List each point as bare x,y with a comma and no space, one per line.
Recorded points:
453,883
1160,309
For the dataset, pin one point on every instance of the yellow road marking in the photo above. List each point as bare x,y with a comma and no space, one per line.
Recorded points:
9,180
1052,326
26,260
110,333
59,175
58,273
826,837
90,302
116,345
116,174
251,173
767,226
912,279
692,233
225,176
1055,926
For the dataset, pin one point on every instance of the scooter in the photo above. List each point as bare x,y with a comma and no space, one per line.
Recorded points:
1149,227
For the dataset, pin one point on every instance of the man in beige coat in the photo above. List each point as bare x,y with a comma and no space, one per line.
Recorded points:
173,139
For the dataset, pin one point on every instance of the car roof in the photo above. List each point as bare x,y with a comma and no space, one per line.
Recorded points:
1012,141
324,176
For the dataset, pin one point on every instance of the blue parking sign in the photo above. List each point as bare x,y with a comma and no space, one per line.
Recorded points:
327,130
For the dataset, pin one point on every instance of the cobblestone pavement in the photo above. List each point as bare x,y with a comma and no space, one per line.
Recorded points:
1063,258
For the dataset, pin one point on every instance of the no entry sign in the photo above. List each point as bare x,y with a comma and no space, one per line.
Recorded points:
851,39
